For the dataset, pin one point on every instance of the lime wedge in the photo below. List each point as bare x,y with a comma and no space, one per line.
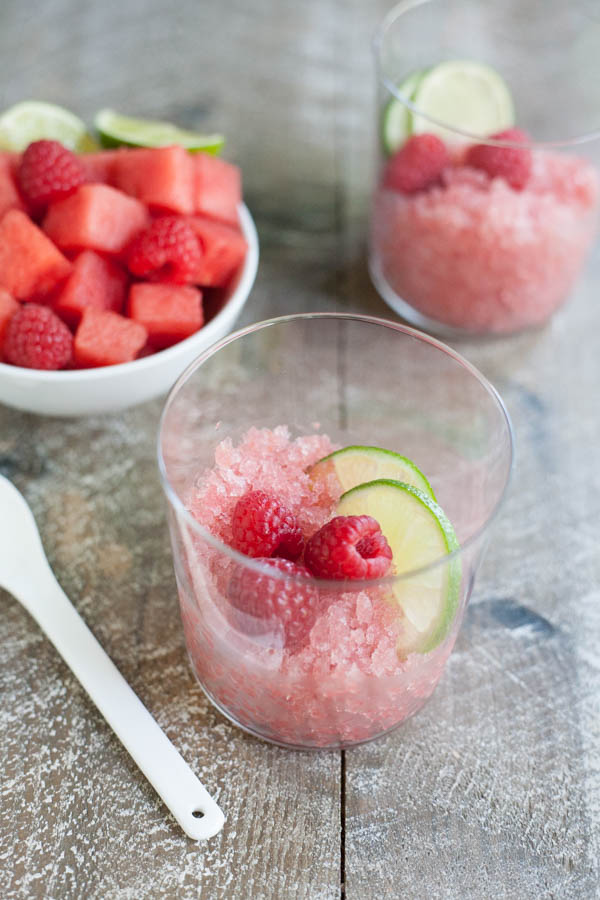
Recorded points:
356,465
34,120
396,119
115,129
464,95
418,532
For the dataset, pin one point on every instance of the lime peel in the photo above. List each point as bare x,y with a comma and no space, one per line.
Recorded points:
34,120
115,130
419,534
358,463
464,96
397,118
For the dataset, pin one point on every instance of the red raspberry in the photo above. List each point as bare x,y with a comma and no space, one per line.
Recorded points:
511,163
48,172
268,601
37,339
263,527
348,547
168,250
417,165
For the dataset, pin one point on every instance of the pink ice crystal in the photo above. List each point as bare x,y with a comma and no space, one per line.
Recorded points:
347,682
476,254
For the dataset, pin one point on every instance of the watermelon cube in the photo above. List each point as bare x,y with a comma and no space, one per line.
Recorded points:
9,194
224,249
169,312
8,307
30,264
161,177
99,166
12,159
94,282
105,338
95,217
218,188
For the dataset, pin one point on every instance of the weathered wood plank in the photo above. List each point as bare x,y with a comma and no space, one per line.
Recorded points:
494,788
78,819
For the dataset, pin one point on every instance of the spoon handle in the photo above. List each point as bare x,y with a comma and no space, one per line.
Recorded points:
193,807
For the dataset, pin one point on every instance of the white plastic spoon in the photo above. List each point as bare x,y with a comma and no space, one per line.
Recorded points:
25,573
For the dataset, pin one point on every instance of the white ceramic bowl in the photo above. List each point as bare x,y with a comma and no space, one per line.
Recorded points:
80,392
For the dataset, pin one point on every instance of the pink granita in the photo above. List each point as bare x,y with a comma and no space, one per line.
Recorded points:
265,460
346,682
476,254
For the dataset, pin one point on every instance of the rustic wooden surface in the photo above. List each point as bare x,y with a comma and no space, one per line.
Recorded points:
494,789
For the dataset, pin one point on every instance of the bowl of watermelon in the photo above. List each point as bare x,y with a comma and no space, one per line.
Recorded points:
117,268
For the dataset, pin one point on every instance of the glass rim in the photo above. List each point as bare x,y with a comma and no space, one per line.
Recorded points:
327,584
377,46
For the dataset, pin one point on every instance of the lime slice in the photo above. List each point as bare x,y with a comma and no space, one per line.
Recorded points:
464,95
419,532
115,129
356,465
396,119
34,120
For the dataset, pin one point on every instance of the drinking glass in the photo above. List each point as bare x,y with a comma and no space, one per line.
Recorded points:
362,381
474,251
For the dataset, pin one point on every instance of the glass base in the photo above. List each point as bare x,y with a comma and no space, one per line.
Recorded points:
407,312
341,745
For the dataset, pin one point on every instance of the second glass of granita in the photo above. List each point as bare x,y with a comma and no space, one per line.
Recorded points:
255,413
487,190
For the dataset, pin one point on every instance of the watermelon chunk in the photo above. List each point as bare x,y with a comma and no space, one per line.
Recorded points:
8,307
95,217
105,338
29,262
161,177
169,312
12,159
94,282
224,249
218,188
9,194
99,166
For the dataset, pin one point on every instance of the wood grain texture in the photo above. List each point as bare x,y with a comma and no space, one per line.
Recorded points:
494,789
74,802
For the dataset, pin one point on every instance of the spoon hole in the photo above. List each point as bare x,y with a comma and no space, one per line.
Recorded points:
197,814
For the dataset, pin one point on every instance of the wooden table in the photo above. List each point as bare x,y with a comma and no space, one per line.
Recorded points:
493,790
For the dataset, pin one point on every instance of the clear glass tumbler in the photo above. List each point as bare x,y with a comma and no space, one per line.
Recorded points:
361,381
486,246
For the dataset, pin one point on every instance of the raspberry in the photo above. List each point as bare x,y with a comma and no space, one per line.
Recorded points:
511,163
267,601
37,339
167,250
48,172
417,165
263,527
348,547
